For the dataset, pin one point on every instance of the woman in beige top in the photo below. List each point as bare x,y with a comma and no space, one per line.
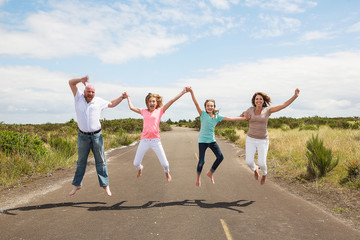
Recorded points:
257,136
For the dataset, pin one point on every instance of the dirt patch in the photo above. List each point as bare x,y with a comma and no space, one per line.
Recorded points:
342,203
41,184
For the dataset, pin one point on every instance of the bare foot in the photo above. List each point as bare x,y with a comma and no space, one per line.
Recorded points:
210,175
107,190
139,174
198,182
263,179
75,189
256,174
168,176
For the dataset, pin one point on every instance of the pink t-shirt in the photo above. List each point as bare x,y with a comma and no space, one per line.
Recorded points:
151,123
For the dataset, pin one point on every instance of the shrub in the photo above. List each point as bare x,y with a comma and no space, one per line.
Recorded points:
17,143
230,134
320,160
63,146
353,169
308,127
284,127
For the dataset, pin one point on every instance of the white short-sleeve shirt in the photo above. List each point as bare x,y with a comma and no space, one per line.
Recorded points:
88,114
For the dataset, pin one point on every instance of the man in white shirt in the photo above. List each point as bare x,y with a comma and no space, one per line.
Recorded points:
88,110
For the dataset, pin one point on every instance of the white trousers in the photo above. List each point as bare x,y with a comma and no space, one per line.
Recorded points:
156,146
262,147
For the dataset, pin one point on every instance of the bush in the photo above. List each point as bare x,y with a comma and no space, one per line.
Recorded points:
320,160
14,143
63,146
308,127
284,127
353,169
230,134
353,175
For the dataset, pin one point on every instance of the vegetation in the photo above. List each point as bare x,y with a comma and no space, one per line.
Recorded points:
289,142
320,160
29,150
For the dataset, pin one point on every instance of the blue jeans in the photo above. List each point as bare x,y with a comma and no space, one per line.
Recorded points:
96,144
216,150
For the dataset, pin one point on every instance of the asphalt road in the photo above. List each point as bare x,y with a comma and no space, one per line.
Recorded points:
235,207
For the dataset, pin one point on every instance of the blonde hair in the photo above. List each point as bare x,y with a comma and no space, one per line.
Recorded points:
157,97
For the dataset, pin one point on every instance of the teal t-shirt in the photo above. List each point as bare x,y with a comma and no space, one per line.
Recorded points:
207,128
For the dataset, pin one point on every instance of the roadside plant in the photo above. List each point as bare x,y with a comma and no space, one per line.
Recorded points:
320,159
353,169
230,134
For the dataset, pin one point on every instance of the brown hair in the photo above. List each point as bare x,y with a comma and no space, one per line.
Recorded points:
267,99
157,97
211,100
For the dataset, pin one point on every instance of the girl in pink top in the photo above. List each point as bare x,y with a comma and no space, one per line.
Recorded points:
257,136
150,137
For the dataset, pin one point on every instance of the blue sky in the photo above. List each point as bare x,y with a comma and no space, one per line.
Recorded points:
224,49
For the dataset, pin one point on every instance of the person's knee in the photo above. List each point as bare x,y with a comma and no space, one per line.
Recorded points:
249,162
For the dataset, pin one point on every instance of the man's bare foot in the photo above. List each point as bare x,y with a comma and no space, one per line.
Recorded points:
75,189
256,174
107,190
139,174
198,182
263,179
168,176
210,175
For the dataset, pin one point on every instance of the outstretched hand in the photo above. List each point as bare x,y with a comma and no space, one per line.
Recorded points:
297,91
125,95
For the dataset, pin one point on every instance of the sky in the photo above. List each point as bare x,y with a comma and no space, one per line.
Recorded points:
224,49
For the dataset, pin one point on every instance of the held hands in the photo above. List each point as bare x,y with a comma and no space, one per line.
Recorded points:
125,95
187,89
247,116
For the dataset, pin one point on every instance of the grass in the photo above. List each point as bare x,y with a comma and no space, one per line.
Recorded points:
28,151
286,157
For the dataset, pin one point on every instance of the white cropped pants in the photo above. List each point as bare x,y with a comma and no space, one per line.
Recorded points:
156,146
261,146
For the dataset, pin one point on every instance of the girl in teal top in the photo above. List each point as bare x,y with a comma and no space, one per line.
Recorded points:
208,120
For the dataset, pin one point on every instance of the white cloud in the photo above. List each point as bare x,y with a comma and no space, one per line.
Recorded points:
220,4
114,33
276,26
316,35
328,86
287,6
354,28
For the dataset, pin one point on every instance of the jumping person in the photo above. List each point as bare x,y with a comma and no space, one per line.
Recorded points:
150,137
257,136
88,109
208,120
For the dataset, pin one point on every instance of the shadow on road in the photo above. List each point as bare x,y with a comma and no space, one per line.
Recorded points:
47,206
150,204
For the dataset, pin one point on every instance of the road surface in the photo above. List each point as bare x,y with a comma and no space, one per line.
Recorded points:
235,207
